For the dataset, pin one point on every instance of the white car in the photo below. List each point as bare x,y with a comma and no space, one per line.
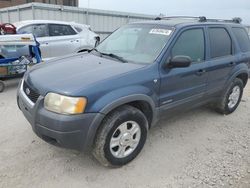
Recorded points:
59,38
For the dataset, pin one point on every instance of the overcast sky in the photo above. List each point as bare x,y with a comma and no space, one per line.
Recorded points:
210,8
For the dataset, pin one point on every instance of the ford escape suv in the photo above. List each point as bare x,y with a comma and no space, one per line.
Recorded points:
105,100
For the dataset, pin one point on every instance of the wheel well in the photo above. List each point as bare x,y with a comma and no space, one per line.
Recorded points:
145,108
243,77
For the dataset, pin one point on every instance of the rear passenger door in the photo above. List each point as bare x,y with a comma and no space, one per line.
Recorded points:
63,40
221,58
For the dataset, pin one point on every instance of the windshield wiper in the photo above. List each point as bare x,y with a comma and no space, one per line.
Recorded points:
93,49
110,55
115,56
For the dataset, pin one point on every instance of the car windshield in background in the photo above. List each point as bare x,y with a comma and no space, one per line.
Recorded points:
136,43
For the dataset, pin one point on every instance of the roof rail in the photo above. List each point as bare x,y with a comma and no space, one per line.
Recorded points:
176,17
200,19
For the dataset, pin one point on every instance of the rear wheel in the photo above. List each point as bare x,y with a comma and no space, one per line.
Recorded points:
231,97
122,136
2,86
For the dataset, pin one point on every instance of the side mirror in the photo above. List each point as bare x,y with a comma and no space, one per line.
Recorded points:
98,39
180,62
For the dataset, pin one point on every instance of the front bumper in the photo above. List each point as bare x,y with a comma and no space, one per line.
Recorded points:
69,131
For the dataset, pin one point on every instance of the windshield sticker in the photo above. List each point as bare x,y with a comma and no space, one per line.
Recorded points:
161,31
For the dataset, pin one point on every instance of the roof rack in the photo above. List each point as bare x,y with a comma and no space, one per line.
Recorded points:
201,19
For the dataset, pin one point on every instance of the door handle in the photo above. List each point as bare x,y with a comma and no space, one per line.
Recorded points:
200,72
44,44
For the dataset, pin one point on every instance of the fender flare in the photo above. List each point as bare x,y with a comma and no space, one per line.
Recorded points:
108,108
232,77
127,99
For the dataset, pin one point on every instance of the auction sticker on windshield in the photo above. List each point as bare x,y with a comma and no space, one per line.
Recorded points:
161,31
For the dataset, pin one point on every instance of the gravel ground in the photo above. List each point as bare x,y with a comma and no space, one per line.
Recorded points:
196,149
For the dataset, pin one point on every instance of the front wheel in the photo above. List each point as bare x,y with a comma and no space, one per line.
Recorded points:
122,136
231,97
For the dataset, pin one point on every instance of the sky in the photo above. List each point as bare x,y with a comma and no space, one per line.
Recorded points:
224,9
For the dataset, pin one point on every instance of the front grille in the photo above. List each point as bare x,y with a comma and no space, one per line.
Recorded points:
31,94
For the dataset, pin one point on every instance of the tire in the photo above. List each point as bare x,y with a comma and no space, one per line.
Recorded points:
2,86
117,128
224,106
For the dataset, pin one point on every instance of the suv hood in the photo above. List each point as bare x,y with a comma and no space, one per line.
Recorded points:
73,73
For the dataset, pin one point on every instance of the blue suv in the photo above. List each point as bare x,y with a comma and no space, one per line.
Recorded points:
105,100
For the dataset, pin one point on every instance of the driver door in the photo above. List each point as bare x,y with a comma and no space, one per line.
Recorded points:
181,86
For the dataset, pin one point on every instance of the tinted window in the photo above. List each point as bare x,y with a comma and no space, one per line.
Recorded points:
39,30
27,29
60,30
220,42
190,43
242,38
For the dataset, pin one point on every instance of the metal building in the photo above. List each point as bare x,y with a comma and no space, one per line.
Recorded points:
9,3
101,21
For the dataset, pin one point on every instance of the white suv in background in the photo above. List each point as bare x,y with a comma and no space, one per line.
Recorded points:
59,38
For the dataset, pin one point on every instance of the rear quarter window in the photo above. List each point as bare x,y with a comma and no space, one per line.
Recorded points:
78,29
242,39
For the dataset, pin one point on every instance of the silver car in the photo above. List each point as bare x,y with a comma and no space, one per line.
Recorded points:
59,38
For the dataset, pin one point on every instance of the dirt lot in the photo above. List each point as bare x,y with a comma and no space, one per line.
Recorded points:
196,149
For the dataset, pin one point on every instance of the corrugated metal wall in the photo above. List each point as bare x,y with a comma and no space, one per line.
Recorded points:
101,21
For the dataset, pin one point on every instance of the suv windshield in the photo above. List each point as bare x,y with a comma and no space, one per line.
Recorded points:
136,43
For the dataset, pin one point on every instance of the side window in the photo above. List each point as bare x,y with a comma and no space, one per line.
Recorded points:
242,38
40,30
60,30
190,43
26,30
220,42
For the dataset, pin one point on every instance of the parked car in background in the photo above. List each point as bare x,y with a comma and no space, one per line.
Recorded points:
59,38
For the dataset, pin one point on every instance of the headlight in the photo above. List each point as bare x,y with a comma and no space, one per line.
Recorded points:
64,105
